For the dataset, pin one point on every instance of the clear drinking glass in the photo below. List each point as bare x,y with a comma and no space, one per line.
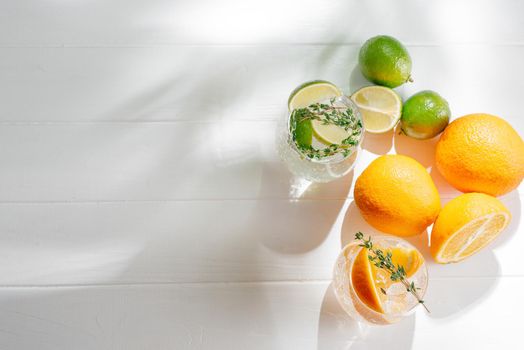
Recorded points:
396,302
325,169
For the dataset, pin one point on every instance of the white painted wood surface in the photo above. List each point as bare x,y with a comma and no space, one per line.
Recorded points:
142,203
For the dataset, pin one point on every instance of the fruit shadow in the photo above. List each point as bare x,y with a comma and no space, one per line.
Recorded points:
306,213
354,222
422,151
453,297
453,288
378,144
296,226
512,202
337,330
457,288
278,182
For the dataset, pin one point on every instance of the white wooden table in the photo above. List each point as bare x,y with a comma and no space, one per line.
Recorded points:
142,203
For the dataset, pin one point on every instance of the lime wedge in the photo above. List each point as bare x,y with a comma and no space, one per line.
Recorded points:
329,134
380,107
312,92
304,133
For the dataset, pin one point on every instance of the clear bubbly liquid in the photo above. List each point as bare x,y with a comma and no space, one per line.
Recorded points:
316,170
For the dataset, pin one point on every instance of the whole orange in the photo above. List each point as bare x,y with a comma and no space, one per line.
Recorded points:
396,195
481,153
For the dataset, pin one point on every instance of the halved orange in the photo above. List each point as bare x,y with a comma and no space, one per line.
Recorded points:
465,225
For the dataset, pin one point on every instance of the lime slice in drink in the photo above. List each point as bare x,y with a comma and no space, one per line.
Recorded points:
312,92
304,133
329,133
380,107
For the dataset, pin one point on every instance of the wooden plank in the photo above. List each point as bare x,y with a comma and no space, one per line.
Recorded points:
161,22
254,316
203,241
174,161
164,242
234,83
143,162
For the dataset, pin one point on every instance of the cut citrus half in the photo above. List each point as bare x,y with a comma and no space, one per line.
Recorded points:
465,225
312,92
380,107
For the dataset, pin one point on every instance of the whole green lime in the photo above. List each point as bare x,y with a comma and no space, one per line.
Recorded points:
425,115
385,61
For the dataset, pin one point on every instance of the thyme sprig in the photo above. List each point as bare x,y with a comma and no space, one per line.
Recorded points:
327,114
383,261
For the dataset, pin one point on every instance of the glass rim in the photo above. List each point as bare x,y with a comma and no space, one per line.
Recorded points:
331,159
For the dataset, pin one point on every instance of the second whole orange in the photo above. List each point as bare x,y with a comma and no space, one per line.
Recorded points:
481,153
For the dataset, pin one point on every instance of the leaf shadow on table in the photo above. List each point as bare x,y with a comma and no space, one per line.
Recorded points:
337,330
333,54
174,94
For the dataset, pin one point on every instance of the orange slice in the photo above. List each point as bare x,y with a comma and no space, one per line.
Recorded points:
409,258
362,278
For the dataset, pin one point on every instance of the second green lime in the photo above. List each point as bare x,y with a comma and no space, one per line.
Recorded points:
425,115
